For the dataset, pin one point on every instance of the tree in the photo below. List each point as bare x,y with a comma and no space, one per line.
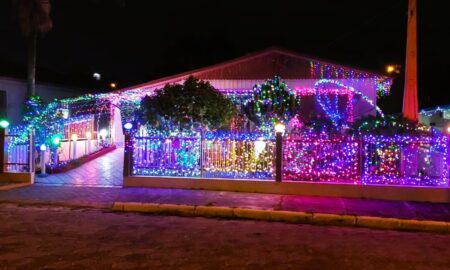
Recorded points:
193,104
272,102
45,118
34,19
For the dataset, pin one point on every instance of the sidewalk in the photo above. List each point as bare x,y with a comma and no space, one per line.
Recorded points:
155,200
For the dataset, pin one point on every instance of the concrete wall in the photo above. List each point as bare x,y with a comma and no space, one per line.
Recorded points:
16,92
66,151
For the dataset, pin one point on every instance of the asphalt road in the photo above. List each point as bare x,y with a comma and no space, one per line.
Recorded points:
62,238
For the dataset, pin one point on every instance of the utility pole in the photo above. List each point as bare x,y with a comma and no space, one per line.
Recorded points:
410,99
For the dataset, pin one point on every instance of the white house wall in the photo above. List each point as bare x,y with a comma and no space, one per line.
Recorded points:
16,92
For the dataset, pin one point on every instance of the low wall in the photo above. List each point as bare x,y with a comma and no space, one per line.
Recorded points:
17,177
383,192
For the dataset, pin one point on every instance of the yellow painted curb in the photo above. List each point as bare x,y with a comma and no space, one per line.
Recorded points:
214,211
141,207
252,213
182,210
333,219
285,216
424,225
291,217
117,206
378,222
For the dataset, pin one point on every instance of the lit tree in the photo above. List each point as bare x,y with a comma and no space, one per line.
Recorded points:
272,102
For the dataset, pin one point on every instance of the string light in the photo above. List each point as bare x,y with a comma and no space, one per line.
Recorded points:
321,70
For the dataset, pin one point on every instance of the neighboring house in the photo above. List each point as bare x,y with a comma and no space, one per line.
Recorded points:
438,117
13,92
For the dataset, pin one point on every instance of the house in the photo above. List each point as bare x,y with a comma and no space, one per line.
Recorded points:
13,93
357,88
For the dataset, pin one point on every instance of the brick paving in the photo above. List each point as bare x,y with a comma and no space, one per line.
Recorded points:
105,171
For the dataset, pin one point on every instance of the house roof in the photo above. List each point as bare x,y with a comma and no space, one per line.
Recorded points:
259,65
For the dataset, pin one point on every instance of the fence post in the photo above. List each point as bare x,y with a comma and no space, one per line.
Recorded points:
2,150
127,158
279,156
201,153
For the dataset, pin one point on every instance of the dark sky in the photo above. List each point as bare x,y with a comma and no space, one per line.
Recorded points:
132,41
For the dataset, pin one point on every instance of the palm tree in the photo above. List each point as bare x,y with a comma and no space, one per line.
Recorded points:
34,19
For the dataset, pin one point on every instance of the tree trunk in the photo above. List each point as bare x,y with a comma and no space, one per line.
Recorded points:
31,67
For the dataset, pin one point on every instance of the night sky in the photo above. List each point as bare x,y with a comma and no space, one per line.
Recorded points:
131,41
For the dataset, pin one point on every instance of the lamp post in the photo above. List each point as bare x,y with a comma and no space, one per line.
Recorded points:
279,131
3,125
43,149
128,149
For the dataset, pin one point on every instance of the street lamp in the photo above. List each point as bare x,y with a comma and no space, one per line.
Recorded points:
393,68
97,76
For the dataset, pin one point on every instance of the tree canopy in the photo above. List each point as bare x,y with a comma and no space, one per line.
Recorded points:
193,104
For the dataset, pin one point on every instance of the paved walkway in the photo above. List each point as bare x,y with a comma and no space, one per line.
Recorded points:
105,171
105,197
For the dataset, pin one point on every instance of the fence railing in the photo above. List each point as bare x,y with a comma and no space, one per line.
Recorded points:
16,156
399,160
404,160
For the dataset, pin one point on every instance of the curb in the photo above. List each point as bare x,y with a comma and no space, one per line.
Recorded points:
285,216
14,185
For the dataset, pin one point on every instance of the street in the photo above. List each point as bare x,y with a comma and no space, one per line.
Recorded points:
41,237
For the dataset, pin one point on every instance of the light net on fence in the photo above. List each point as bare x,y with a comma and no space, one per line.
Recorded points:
405,160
